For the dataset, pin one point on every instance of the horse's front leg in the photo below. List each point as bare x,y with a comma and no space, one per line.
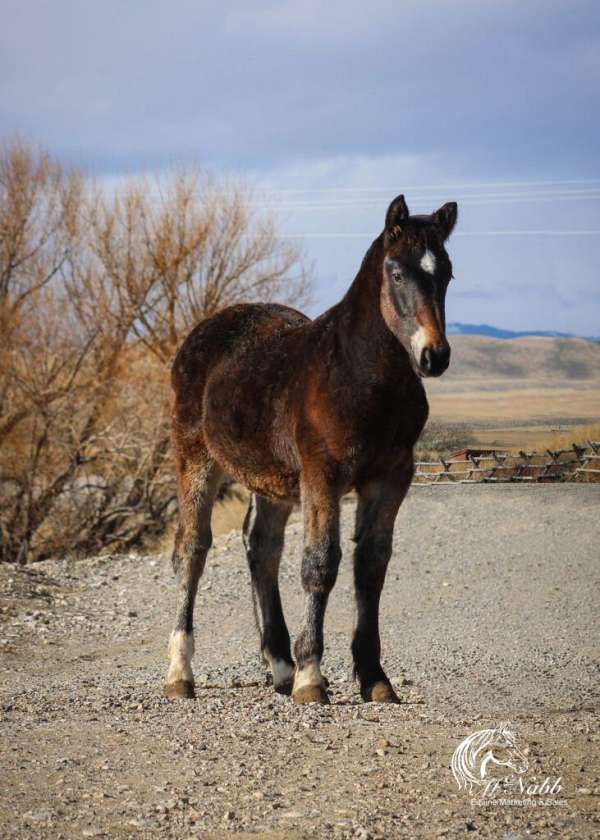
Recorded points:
320,562
378,504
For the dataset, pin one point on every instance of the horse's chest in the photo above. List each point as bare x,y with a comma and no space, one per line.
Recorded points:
373,433
387,419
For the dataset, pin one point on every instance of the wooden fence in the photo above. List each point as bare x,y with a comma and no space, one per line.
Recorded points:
579,463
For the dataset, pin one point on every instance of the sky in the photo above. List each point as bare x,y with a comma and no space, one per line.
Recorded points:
330,109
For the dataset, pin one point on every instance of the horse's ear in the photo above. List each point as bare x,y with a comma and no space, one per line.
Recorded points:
445,218
396,214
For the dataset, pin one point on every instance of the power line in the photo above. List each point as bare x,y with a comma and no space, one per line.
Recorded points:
482,198
460,185
456,233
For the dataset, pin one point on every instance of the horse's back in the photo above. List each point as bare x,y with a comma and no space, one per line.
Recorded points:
230,331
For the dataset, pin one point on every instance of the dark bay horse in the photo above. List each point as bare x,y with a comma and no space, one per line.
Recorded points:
303,411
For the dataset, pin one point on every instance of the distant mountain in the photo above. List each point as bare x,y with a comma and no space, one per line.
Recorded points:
456,328
540,358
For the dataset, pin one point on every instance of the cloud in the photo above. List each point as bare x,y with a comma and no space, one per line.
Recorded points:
329,110
248,84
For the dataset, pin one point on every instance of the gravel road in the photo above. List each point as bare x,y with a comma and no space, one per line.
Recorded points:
490,613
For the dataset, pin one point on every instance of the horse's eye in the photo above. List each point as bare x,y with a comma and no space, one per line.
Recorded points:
397,277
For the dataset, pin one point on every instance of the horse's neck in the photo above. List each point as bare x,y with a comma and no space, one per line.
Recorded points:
361,330
360,305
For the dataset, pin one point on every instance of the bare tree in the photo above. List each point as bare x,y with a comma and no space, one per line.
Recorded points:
96,292
177,252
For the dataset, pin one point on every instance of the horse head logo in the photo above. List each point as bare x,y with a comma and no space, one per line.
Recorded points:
485,754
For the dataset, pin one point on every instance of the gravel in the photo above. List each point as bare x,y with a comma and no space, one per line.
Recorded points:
490,613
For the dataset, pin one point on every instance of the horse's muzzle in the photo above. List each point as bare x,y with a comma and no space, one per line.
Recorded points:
434,360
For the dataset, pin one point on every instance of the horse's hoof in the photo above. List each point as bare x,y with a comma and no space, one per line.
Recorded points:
180,690
380,692
284,687
310,694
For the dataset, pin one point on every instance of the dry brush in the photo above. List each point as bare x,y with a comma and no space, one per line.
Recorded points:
96,292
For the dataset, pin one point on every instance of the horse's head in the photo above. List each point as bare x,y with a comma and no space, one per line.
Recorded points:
416,273
503,751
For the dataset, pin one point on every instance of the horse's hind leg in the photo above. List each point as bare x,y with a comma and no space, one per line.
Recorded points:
264,529
199,480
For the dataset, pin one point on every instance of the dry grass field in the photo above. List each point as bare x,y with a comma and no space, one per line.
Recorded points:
520,393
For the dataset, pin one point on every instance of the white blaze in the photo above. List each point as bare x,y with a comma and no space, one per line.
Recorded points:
418,342
428,262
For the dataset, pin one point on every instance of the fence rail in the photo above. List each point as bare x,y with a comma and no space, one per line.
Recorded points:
578,463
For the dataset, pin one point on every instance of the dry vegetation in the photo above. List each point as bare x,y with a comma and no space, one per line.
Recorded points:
442,439
526,393
96,292
579,435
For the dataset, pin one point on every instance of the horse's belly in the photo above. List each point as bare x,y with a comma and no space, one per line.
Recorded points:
258,473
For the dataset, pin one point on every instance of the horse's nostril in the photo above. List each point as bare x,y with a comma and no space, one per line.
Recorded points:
444,357
434,361
425,360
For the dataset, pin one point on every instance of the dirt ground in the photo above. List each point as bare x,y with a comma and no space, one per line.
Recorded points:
490,614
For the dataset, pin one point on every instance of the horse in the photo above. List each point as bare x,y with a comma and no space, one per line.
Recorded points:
478,756
303,411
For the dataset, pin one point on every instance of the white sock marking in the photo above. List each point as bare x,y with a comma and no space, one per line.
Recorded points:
309,675
282,671
181,650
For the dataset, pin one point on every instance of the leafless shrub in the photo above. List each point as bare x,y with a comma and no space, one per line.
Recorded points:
96,292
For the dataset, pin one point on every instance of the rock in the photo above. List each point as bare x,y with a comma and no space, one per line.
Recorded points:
140,823
43,815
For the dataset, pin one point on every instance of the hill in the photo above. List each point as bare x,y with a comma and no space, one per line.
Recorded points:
518,392
551,360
